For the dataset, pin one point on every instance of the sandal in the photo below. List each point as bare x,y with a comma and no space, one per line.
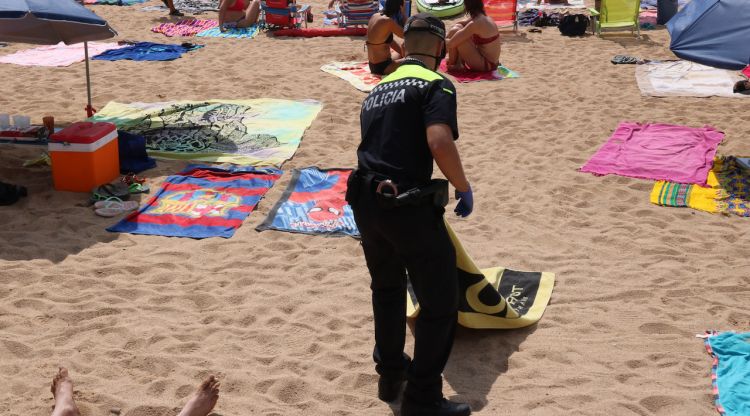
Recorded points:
107,191
113,208
624,59
138,188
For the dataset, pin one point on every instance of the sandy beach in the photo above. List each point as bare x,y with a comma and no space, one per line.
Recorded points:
284,320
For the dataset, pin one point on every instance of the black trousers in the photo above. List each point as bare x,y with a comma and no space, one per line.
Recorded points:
410,239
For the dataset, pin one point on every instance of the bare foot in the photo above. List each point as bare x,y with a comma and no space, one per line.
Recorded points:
62,389
204,399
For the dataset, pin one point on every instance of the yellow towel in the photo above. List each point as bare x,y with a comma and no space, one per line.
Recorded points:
497,297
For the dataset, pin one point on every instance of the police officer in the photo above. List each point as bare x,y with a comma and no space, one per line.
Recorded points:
408,120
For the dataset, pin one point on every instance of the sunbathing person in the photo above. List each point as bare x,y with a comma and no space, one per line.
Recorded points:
383,52
474,43
242,13
200,404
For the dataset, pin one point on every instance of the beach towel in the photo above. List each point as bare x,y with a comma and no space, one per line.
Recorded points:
494,298
197,6
56,55
147,51
201,202
233,32
570,4
728,191
157,8
472,76
260,132
685,79
314,203
657,151
314,32
188,27
116,2
356,73
730,371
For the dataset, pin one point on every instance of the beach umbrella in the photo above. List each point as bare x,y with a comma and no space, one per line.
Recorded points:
49,22
712,32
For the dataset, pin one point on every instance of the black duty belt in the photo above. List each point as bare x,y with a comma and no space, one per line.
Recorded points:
391,194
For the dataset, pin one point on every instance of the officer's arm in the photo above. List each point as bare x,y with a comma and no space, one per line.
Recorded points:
440,141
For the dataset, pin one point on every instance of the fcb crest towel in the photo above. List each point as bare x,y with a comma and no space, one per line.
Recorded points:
201,201
495,298
314,204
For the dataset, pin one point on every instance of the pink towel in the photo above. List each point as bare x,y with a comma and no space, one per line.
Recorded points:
187,27
57,55
657,151
746,71
470,76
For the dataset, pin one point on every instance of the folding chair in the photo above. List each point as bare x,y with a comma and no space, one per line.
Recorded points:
277,14
616,14
503,12
357,12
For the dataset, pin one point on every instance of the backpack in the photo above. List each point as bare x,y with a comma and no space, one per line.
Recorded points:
573,24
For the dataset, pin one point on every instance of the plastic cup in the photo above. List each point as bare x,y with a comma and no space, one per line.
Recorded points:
4,121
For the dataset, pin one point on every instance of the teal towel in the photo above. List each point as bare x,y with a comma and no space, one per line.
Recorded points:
730,372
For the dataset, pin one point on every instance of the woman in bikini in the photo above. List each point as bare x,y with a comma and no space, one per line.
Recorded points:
383,52
474,43
243,13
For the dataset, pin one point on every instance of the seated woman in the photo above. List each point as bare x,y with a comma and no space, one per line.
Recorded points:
474,43
243,13
383,52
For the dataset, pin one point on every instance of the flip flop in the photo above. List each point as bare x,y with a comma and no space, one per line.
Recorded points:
116,203
624,59
104,192
114,208
139,188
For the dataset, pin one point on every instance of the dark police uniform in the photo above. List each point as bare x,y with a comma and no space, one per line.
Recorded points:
410,238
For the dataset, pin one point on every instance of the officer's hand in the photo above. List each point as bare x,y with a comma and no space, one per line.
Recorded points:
465,203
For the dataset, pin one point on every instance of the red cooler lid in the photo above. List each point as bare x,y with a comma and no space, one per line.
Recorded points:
83,132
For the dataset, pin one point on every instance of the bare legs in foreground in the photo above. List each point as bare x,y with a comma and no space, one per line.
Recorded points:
200,403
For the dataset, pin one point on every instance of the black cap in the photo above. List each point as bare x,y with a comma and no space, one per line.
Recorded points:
425,22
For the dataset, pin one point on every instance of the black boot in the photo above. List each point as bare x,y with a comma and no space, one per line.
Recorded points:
442,407
390,387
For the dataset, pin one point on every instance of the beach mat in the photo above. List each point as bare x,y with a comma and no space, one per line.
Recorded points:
494,298
657,151
355,73
314,32
730,371
187,27
685,79
570,4
472,76
56,55
314,203
230,33
147,51
728,191
201,202
259,132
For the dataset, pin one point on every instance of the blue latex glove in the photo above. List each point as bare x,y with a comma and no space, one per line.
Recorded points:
465,203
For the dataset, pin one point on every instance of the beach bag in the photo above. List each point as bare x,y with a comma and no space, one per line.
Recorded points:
573,24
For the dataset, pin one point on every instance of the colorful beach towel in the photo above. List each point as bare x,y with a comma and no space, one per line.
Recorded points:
313,203
657,151
471,76
147,51
494,298
730,371
260,132
685,79
728,191
201,202
356,73
187,27
232,32
56,55
532,4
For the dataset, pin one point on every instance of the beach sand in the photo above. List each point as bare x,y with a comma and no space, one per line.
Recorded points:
284,320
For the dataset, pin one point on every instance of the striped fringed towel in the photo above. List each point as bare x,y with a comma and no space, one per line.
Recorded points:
728,191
